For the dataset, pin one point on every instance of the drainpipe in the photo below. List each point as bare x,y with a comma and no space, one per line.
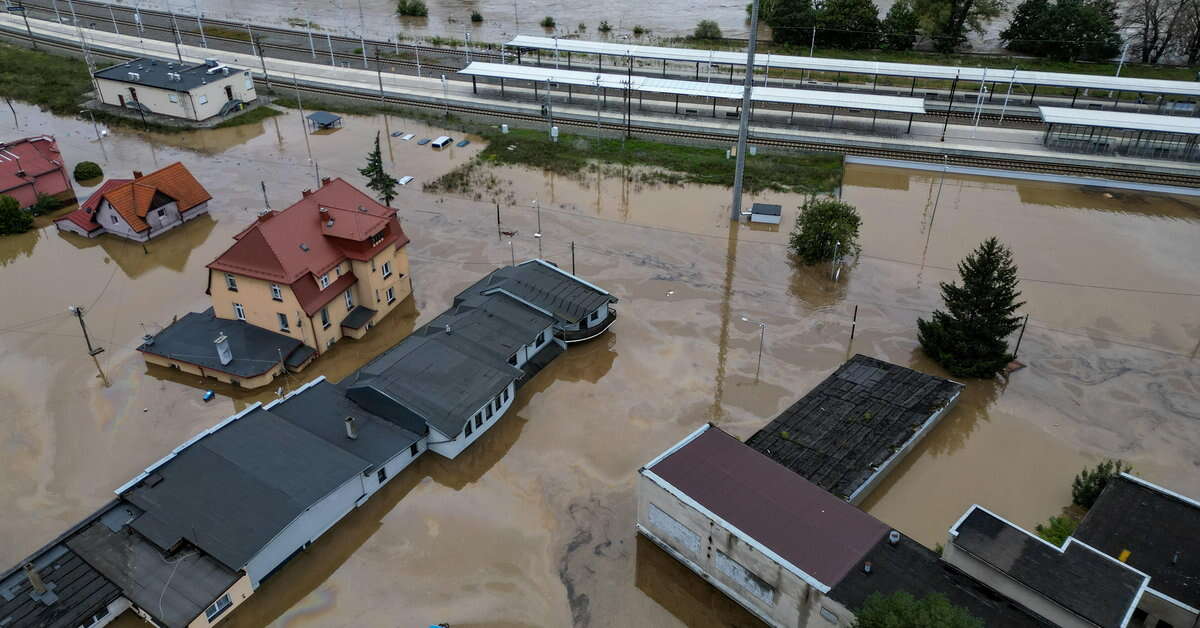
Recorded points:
316,341
195,114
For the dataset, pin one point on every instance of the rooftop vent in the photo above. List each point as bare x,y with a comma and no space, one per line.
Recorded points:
134,76
304,247
893,537
223,351
35,579
323,210
351,428
447,328
148,340
867,567
330,223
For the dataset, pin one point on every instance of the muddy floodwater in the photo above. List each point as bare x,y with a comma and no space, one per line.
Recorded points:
533,526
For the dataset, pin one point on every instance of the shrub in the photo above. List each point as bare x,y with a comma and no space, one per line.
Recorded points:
12,218
1088,485
639,30
581,28
604,27
412,8
707,29
900,26
44,204
821,224
476,17
85,170
902,609
1057,530
547,22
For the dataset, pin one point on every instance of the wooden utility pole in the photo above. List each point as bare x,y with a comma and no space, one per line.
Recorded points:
92,351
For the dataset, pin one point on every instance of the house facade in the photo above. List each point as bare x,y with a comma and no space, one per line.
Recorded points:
190,91
32,167
140,208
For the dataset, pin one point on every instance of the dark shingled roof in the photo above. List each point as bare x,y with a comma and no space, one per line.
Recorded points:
498,323
839,434
76,592
321,410
911,567
1160,530
190,339
820,534
153,73
545,286
1077,578
323,118
358,317
232,491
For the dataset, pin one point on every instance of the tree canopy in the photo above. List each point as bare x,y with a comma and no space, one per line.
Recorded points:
378,180
902,610
948,22
899,28
823,223
848,24
1064,29
12,218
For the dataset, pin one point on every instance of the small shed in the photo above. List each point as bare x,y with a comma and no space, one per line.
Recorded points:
318,120
766,213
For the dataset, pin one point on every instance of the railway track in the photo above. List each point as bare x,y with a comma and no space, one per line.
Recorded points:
1001,163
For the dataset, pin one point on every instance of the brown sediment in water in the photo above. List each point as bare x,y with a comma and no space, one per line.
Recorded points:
533,525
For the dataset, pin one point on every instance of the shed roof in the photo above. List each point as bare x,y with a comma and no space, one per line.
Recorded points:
323,118
190,339
815,532
1121,120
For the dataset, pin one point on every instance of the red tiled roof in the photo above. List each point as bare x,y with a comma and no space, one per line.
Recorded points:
312,298
823,536
35,156
133,198
298,242
85,216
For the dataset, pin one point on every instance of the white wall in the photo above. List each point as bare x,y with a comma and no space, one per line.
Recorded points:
158,100
104,216
526,352
450,447
393,467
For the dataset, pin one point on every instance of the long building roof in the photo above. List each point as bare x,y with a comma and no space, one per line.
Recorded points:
1121,120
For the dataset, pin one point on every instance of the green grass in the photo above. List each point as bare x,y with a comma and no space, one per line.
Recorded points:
227,33
250,117
58,84
332,107
785,172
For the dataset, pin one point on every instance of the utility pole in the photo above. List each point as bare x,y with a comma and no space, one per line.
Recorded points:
572,257
113,17
203,39
1020,336
549,107
25,15
308,28
950,106
178,37
264,189
92,351
256,41
735,209
329,41
379,73
538,236
300,105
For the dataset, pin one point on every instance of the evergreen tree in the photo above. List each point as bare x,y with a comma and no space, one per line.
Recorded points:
378,180
848,24
900,26
902,610
1088,485
970,340
822,223
1064,29
12,218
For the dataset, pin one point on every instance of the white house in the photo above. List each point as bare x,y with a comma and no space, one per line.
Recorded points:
194,92
140,208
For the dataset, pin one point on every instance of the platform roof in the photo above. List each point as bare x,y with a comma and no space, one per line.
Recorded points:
855,66
816,98
1121,120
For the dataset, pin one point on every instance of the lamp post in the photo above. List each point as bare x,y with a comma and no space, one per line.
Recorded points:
538,234
95,127
512,251
762,338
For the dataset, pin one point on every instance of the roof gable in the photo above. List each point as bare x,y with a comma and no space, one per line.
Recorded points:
133,198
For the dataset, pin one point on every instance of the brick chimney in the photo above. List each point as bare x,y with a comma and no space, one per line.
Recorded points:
305,193
324,181
137,174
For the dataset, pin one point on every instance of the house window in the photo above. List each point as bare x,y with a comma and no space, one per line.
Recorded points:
487,411
203,99
114,218
349,299
173,97
283,322
218,607
239,311
162,213
381,475
478,420
324,281
338,270
324,318
378,237
276,293
415,449
828,616
504,395
391,295
387,270
544,338
513,359
231,282
595,316
468,428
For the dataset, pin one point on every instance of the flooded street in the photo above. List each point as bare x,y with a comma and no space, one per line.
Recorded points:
533,526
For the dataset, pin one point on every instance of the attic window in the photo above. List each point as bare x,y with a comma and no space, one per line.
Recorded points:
378,237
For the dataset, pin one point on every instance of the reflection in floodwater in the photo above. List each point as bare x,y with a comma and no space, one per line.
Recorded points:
689,598
726,312
170,250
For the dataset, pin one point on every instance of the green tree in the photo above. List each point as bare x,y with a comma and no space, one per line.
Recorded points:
1064,29
970,339
822,223
85,170
902,610
900,26
947,22
45,204
848,24
707,29
476,17
412,8
1057,529
378,180
12,218
791,21
547,22
1088,485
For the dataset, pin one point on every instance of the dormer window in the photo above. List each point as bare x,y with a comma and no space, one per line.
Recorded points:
378,237
324,281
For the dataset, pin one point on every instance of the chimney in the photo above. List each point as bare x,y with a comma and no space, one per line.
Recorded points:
324,181
447,329
265,214
305,193
893,537
323,210
35,579
137,174
867,567
223,351
351,428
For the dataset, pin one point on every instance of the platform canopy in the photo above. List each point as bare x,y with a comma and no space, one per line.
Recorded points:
1121,120
853,66
869,102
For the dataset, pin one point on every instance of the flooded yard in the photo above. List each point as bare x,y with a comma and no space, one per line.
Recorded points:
533,526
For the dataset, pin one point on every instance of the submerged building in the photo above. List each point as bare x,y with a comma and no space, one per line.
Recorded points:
180,90
140,208
33,167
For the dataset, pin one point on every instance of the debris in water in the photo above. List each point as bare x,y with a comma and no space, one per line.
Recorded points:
397,133
208,395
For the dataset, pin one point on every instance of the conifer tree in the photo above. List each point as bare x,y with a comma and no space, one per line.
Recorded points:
378,180
969,339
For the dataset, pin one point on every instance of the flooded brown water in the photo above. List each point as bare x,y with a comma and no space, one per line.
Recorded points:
534,525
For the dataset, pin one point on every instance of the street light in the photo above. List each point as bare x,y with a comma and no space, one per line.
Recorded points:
762,338
538,234
95,127
512,251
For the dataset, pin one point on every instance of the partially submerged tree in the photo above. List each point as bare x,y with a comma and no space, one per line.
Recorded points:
1081,29
378,180
821,225
970,338
902,610
848,24
1155,24
899,28
948,22
85,170
1088,485
707,29
12,218
1057,529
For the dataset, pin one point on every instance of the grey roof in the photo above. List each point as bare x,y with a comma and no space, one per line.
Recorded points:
911,567
766,209
323,118
842,431
498,323
1160,529
1077,578
568,298
175,589
1185,125
359,316
76,592
190,339
230,492
153,72
321,410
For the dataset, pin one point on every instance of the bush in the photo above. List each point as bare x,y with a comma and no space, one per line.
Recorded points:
547,22
476,17
901,609
1088,485
848,24
44,204
821,224
412,8
12,218
581,28
707,29
1084,29
1057,530
639,30
604,27
85,170
900,26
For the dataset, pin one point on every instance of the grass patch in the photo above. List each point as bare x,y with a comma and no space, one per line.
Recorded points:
785,172
226,33
58,85
311,105
296,22
250,117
